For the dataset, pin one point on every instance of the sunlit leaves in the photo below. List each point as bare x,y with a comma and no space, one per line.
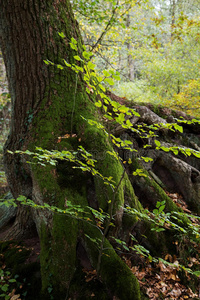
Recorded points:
188,99
146,159
61,34
91,66
87,55
110,81
66,63
73,44
177,149
139,172
160,206
76,57
98,104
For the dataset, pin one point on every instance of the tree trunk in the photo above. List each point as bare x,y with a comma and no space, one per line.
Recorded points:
130,61
47,103
172,11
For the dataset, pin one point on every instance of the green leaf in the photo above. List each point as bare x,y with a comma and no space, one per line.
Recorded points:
60,67
150,258
175,151
98,104
4,288
158,204
103,89
117,77
161,208
157,143
178,127
165,149
197,154
129,161
61,34
197,273
87,55
105,108
66,63
126,248
188,152
120,118
135,113
106,73
21,198
110,81
79,68
91,66
146,159
10,152
73,41
12,280
139,172
77,58
129,124
74,47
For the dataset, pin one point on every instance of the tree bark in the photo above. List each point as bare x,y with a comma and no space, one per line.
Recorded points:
130,61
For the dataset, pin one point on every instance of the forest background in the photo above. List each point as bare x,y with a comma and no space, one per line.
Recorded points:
154,45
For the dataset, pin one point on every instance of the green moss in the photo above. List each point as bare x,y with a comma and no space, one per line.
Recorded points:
113,271
63,251
46,251
148,183
80,289
130,196
58,255
119,277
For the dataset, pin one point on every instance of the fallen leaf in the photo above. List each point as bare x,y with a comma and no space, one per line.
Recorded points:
15,297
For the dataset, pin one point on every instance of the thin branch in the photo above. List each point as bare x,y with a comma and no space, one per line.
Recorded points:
106,28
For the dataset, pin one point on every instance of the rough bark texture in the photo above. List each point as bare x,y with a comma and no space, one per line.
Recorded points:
48,103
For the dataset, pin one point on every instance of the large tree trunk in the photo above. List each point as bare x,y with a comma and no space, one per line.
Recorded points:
48,103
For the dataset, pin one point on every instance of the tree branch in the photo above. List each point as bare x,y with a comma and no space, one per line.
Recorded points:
106,28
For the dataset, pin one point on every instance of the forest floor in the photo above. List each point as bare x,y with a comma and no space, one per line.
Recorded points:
157,281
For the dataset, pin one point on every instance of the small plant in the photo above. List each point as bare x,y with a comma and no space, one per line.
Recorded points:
8,285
